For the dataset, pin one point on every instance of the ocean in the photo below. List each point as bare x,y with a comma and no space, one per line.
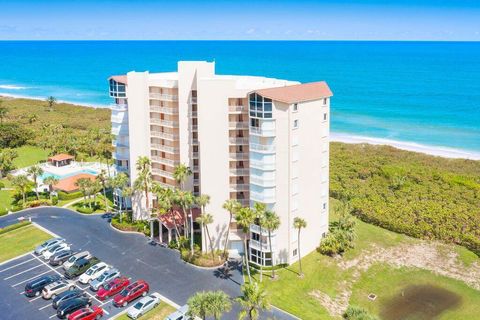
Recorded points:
417,95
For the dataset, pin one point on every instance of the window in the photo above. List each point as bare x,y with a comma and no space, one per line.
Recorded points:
324,205
325,100
295,124
324,116
295,107
295,252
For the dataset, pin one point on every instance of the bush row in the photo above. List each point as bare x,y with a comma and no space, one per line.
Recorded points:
14,226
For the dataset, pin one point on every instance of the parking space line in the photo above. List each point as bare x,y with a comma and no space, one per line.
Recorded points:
48,305
52,316
38,275
16,265
16,258
36,298
22,272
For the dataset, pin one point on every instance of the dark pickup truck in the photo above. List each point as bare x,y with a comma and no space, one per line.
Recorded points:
80,266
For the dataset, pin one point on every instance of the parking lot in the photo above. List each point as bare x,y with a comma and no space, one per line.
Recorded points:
15,274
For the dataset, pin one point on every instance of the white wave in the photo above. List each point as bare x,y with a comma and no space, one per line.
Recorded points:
11,87
445,152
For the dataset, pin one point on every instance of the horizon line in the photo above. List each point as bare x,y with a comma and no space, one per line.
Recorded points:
239,40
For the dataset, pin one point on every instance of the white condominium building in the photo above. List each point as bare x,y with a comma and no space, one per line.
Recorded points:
253,139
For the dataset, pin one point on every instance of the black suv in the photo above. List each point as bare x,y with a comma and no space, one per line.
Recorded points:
80,266
67,295
34,287
72,305
60,257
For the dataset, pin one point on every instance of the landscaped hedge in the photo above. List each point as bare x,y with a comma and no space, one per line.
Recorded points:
14,226
419,195
69,196
126,225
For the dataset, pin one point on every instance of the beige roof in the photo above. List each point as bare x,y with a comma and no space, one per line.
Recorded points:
121,78
61,157
298,92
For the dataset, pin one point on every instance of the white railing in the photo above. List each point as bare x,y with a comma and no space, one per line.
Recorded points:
193,113
165,148
116,131
117,144
262,165
162,173
166,123
262,131
194,127
239,155
195,154
262,147
237,108
117,119
238,125
261,181
260,197
264,246
165,161
238,140
193,100
196,181
163,135
239,171
165,110
120,155
163,96
239,187
119,107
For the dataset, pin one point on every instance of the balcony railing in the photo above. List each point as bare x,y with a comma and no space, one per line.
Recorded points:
261,181
165,123
238,140
268,132
196,181
262,165
165,161
163,96
193,114
194,127
264,246
262,148
117,144
164,135
120,130
164,148
238,125
239,186
237,109
260,197
239,171
165,110
119,107
193,100
239,156
163,173
195,154
121,155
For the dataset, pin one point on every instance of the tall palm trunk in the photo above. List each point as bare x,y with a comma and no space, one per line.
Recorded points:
191,231
36,186
227,236
105,196
211,243
271,252
120,209
263,256
246,259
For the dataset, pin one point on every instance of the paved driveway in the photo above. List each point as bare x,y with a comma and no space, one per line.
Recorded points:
133,256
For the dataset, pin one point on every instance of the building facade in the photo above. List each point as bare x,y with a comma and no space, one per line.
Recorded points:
253,139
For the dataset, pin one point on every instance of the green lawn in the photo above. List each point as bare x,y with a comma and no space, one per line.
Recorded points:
100,200
323,274
30,155
5,200
159,313
20,241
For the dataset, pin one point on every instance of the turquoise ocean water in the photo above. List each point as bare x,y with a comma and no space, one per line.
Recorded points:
427,93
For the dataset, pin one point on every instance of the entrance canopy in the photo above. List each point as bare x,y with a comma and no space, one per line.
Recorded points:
176,216
61,160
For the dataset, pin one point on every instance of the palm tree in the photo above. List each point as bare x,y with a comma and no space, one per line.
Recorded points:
83,185
3,112
204,220
144,179
259,209
202,201
119,182
181,173
271,223
127,192
232,206
50,181
245,217
103,179
182,199
35,171
208,303
299,224
253,300
51,101
22,185
166,197
190,202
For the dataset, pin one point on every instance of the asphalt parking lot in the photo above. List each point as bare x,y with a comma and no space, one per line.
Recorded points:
131,254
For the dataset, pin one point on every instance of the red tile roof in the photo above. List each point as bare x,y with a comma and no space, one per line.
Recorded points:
68,184
298,92
120,78
176,215
61,157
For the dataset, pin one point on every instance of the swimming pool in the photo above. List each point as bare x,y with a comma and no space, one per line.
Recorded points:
59,177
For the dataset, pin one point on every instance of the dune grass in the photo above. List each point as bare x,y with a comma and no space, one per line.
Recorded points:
20,241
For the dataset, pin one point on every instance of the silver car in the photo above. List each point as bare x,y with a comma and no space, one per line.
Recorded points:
53,289
143,306
104,278
80,255
180,314
47,244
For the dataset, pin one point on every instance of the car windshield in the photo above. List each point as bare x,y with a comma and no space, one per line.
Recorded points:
138,306
71,259
89,272
107,286
124,293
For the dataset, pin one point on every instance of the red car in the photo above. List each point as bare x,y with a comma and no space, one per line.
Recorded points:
87,314
112,288
130,293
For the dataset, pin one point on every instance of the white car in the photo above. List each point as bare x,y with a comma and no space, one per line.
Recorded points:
84,254
54,249
143,306
53,289
104,278
180,314
93,272
47,244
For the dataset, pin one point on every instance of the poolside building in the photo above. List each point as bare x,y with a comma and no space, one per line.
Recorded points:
253,139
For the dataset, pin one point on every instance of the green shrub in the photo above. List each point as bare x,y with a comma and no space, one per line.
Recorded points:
3,212
69,196
54,201
38,203
14,226
85,210
357,313
126,225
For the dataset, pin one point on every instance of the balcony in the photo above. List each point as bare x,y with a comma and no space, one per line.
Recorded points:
165,110
195,168
165,161
117,144
119,107
262,165
195,154
264,246
265,132
194,127
165,123
119,118
238,140
234,187
237,109
239,171
196,181
121,169
239,155
238,125
193,100
121,155
263,148
192,114
195,141
262,181
163,135
164,148
261,197
163,96
120,130
162,173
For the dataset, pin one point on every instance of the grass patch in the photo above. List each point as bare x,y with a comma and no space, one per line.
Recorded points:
159,313
30,155
97,207
20,241
387,283
6,199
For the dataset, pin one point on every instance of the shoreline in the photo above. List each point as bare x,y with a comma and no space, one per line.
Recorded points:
439,151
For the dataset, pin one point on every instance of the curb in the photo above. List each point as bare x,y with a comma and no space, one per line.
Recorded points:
126,232
163,298
202,268
286,312
45,230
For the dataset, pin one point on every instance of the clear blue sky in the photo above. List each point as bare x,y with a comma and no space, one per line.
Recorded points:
265,19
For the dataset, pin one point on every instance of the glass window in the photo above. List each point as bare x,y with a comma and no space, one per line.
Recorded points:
267,115
295,107
295,124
